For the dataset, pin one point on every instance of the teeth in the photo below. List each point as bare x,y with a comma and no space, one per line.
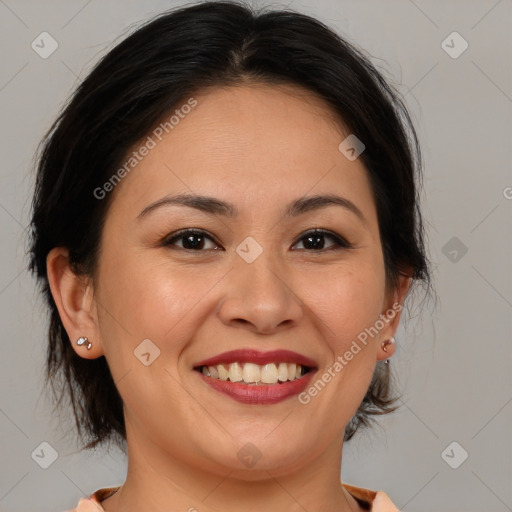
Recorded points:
269,374
235,373
283,372
223,373
251,373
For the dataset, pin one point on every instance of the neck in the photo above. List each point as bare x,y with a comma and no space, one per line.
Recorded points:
156,480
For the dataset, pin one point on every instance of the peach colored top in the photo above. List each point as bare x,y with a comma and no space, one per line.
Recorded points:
374,501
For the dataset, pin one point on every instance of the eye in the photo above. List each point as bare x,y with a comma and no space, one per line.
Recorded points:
196,240
193,240
315,240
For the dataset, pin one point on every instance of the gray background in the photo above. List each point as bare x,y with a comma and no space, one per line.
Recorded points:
454,361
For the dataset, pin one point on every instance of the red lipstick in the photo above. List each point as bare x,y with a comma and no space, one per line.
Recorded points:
254,356
258,394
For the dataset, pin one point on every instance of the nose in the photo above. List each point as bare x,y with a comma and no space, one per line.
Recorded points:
260,297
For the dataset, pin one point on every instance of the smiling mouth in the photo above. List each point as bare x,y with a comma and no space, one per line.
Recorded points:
253,374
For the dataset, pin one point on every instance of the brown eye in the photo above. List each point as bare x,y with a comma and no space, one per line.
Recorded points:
191,239
315,240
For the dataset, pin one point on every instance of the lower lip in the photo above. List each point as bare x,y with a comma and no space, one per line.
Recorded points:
264,394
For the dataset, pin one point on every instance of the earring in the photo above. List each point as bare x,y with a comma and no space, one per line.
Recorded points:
82,340
384,344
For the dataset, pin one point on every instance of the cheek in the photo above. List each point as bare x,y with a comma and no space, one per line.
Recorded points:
150,298
346,305
347,301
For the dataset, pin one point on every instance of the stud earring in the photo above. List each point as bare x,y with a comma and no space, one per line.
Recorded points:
82,340
384,344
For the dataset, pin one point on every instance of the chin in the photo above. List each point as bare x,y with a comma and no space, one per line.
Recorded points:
254,460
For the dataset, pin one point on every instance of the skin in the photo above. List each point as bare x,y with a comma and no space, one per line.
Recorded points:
259,147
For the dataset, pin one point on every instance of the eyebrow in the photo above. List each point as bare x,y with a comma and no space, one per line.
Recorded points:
215,206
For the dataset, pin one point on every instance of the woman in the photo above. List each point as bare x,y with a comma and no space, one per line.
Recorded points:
225,227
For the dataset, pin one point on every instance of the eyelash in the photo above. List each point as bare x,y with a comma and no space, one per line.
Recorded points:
340,242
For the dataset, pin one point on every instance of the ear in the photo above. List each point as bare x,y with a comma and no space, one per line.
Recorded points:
74,298
391,314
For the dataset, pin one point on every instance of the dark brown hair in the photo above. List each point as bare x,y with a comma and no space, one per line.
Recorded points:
144,78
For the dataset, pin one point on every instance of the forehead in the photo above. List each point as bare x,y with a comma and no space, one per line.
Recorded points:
244,117
261,142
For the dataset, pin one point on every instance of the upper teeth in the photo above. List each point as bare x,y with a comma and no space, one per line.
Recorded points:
249,372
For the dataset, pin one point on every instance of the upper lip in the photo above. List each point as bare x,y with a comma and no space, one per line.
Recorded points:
257,357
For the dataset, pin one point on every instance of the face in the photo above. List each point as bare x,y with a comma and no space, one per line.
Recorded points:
256,280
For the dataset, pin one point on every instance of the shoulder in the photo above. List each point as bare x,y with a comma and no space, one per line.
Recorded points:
92,503
375,501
